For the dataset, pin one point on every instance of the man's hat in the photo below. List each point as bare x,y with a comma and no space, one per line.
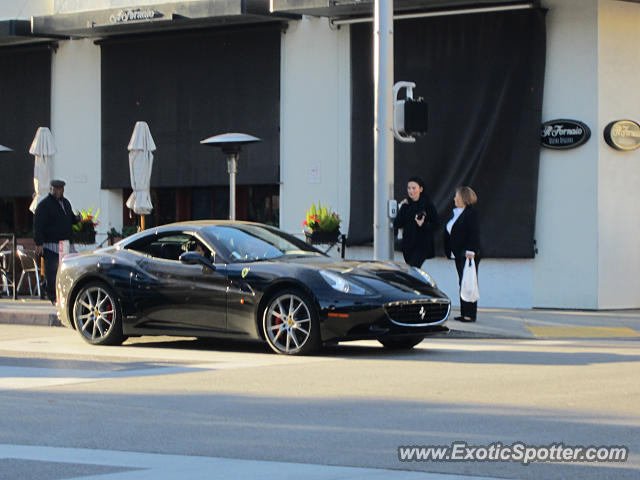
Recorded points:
57,183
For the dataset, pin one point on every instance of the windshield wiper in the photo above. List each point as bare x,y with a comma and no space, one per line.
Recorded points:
299,253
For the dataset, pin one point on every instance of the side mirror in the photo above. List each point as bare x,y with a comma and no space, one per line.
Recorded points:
193,258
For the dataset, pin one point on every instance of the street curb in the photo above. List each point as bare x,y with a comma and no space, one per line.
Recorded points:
19,318
469,334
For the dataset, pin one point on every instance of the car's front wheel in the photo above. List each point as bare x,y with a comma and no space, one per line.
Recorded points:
290,323
97,315
400,343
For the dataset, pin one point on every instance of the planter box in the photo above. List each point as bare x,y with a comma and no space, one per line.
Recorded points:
114,239
318,236
86,238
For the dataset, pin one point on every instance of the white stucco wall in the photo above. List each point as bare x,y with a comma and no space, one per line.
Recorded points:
315,121
315,126
587,202
503,282
618,172
24,9
75,124
68,6
565,270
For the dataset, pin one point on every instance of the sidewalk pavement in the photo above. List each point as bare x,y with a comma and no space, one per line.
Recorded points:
544,324
492,322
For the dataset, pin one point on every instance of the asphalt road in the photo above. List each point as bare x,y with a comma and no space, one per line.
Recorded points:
71,410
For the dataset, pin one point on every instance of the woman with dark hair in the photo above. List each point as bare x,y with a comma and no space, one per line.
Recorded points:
418,219
462,241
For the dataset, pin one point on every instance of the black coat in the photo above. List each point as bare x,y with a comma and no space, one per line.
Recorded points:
417,242
51,222
465,235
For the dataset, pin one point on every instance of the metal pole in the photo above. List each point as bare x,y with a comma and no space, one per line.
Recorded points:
232,168
13,264
383,163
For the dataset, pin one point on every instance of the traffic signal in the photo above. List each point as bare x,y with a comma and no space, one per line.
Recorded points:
410,116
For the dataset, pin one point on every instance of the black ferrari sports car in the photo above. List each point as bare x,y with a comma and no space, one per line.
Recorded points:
245,281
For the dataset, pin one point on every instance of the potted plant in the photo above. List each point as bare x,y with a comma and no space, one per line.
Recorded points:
85,230
322,225
114,235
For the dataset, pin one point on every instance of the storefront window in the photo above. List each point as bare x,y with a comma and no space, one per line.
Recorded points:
255,203
15,216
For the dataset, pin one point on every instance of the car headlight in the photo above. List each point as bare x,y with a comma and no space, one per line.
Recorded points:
341,284
424,276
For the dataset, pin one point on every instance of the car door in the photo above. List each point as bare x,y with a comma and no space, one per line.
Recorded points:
177,296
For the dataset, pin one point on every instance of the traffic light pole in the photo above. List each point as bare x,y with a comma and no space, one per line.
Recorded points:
383,162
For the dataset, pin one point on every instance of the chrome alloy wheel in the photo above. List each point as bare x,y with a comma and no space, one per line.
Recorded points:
288,323
94,312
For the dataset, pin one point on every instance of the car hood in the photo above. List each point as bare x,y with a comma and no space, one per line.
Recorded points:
382,276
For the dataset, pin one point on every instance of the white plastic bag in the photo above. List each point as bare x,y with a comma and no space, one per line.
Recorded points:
469,291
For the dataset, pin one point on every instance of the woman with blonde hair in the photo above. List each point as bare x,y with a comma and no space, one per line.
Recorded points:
462,241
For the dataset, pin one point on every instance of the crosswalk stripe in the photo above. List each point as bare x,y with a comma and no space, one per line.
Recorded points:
154,466
20,378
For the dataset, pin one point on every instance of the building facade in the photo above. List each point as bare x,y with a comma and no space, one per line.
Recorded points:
294,73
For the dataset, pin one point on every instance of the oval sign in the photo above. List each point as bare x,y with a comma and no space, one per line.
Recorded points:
622,135
563,134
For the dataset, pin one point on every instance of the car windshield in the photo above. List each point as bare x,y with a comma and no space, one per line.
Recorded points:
250,243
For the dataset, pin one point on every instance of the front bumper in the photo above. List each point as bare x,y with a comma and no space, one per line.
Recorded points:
393,319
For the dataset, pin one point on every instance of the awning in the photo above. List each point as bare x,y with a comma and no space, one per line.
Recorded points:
356,8
160,17
17,32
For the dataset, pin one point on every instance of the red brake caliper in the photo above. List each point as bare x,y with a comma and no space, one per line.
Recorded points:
277,321
109,315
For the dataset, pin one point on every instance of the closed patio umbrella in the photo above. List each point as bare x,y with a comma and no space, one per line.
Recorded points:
140,148
43,148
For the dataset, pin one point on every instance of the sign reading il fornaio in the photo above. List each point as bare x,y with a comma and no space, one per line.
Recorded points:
563,134
622,135
127,15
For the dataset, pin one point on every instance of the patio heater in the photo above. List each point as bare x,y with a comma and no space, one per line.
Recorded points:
231,144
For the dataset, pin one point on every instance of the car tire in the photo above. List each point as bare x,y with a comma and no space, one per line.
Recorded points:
405,343
97,315
290,323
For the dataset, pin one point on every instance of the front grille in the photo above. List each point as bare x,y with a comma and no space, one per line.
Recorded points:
417,314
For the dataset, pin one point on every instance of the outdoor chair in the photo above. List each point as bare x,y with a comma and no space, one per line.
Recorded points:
30,266
6,277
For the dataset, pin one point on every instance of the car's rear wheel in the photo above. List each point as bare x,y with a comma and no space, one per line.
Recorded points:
404,343
97,315
290,323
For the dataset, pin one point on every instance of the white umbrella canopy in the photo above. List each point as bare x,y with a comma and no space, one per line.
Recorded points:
5,149
140,165
43,148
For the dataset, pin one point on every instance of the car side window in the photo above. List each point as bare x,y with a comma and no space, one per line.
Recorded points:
168,246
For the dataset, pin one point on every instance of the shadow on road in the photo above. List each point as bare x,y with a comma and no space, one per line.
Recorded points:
538,353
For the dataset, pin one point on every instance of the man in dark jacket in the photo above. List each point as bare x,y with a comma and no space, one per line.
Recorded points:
52,223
